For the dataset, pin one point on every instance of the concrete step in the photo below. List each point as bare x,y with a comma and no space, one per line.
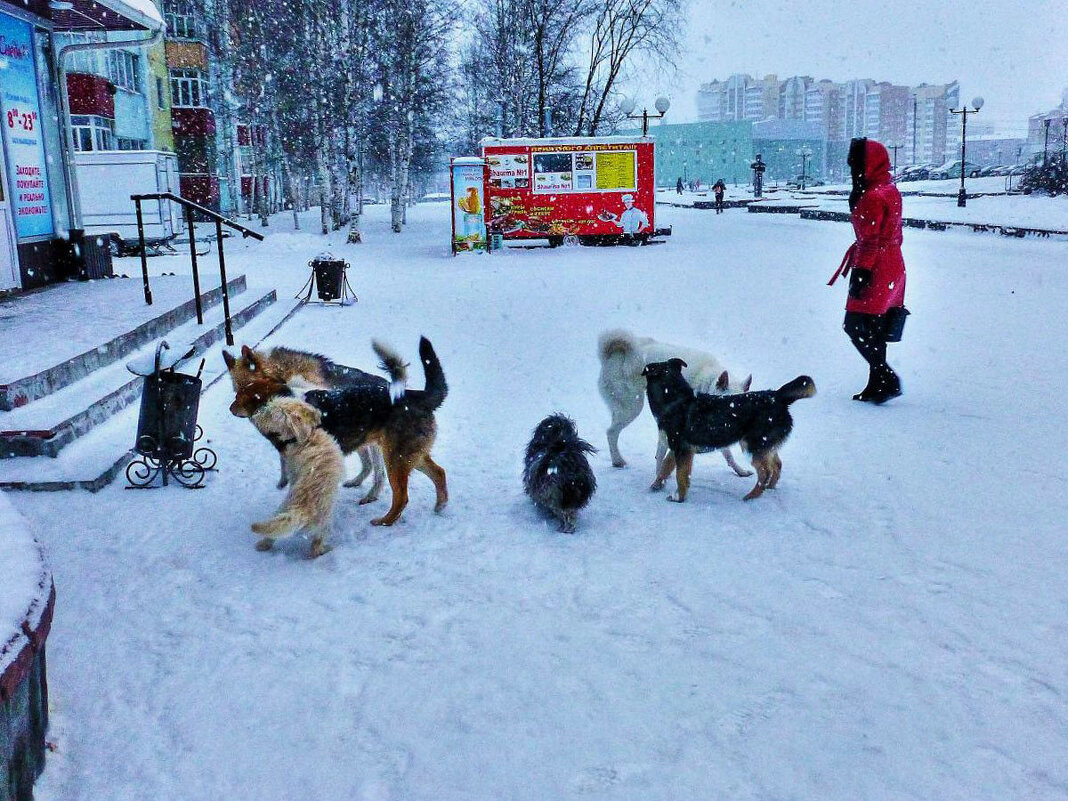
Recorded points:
92,461
45,427
17,392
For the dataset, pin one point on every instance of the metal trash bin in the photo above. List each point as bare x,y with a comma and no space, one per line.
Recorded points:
167,429
329,278
168,421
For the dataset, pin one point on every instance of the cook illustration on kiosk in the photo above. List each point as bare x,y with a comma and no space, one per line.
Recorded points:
633,220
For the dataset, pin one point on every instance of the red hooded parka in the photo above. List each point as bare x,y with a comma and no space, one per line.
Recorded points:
877,224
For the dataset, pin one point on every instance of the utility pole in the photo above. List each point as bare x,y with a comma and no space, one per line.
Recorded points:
893,165
1045,143
914,107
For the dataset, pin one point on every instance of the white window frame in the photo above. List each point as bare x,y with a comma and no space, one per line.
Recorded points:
182,21
189,88
92,132
124,70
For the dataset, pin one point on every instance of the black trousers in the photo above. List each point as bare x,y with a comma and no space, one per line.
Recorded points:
868,335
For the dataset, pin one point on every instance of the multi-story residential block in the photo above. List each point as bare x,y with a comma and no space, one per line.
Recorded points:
792,95
740,97
931,132
914,122
192,118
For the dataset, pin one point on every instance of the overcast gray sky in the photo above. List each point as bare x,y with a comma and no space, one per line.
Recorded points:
1014,52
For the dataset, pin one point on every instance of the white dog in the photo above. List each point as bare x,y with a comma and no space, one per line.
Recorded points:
622,385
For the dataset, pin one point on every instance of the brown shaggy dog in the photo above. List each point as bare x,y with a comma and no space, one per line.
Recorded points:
287,365
314,465
360,414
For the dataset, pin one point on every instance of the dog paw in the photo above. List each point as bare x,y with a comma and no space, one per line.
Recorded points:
381,521
366,499
282,483
353,482
656,486
319,548
743,473
619,463
265,544
440,507
674,498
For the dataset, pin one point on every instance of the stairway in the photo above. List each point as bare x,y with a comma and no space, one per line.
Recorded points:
73,423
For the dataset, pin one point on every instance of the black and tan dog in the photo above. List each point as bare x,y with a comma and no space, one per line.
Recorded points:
310,370
697,423
556,473
356,415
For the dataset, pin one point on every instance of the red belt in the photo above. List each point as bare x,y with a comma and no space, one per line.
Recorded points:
843,268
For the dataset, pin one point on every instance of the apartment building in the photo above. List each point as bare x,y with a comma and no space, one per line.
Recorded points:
914,119
931,132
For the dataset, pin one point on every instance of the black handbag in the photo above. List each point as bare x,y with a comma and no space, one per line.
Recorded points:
895,323
859,281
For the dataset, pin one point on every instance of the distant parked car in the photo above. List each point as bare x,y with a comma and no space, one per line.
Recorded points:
809,181
988,171
912,173
1018,169
951,169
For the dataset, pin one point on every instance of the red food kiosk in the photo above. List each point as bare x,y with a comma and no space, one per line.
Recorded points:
589,190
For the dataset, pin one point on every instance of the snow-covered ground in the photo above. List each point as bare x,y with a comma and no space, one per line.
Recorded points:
890,623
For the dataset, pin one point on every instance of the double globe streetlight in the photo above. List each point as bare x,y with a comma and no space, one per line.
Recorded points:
627,107
977,103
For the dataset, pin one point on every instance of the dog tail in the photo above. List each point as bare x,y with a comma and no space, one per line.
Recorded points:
395,366
285,522
614,342
436,388
800,387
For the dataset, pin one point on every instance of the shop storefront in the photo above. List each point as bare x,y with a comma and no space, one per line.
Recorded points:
37,202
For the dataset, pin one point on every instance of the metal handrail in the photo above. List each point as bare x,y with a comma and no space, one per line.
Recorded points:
191,208
189,204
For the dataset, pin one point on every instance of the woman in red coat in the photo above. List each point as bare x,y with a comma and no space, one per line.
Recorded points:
877,283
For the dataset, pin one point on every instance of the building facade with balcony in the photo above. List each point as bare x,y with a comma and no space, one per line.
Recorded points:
193,123
39,205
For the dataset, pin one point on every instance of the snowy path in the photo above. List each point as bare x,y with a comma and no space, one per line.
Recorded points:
889,624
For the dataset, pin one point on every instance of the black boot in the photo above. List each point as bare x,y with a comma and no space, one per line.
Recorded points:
868,392
888,385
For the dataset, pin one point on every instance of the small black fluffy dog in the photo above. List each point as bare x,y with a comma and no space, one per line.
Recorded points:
696,423
556,473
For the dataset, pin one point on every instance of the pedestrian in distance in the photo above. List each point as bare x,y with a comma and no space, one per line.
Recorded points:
678,185
719,189
875,310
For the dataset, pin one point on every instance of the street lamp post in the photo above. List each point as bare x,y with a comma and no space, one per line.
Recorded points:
804,152
893,165
662,105
977,103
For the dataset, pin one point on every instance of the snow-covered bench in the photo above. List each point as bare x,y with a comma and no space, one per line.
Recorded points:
26,600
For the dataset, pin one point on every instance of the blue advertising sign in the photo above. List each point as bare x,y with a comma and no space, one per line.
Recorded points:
20,120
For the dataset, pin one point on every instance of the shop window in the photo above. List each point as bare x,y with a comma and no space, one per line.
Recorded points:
182,20
124,70
125,143
92,133
188,88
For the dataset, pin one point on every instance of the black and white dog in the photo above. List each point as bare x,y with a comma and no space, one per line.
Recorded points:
698,423
556,473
